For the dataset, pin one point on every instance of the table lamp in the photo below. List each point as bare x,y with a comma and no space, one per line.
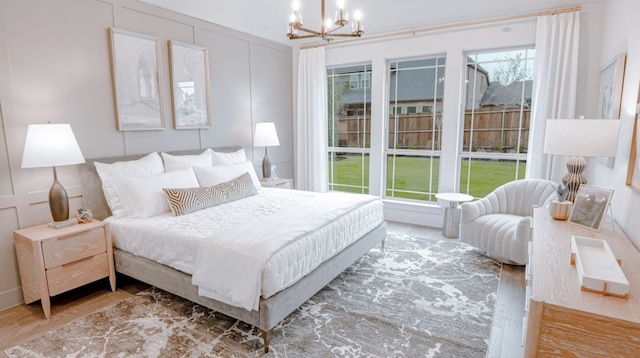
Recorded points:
266,136
580,138
53,145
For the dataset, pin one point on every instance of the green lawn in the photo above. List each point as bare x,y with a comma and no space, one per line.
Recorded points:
412,176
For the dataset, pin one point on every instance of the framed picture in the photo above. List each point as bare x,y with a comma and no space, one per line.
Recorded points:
633,169
190,85
610,94
589,206
136,80
610,87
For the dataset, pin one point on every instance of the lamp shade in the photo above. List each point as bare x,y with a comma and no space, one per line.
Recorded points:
581,137
266,135
50,145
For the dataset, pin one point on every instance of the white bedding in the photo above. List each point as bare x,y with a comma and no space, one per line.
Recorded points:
176,241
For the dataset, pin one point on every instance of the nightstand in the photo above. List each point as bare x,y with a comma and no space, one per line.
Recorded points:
53,261
282,183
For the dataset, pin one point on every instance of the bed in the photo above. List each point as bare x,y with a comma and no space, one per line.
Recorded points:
272,304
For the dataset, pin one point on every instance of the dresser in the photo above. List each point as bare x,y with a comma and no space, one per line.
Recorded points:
53,261
560,319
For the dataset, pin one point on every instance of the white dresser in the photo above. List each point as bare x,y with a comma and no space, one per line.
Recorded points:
561,320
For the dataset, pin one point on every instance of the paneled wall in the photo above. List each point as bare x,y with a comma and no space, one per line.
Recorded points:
55,66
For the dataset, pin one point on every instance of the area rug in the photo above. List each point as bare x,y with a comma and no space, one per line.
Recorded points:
418,298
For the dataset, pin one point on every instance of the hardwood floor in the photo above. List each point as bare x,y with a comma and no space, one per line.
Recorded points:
24,322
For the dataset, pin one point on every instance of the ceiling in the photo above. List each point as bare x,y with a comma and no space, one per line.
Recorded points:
269,18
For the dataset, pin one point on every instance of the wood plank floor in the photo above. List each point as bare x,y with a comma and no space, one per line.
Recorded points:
24,322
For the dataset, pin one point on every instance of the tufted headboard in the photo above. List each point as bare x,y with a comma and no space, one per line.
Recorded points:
92,195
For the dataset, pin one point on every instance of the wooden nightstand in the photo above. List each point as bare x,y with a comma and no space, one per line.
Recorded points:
53,261
282,183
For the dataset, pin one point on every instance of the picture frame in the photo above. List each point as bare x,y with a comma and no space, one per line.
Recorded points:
190,87
633,169
610,85
135,63
590,206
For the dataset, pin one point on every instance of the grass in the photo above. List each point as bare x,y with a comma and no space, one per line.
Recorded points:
412,176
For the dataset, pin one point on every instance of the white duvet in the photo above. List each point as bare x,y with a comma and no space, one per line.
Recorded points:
252,247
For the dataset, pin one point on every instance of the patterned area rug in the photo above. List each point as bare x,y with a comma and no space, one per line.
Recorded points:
420,297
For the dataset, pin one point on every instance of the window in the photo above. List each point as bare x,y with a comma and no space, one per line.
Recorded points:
349,128
353,81
496,119
426,109
414,139
365,80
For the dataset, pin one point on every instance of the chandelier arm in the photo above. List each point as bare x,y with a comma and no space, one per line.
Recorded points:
353,34
296,37
316,33
331,30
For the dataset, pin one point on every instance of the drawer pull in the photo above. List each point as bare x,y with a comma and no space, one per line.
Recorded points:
73,235
77,261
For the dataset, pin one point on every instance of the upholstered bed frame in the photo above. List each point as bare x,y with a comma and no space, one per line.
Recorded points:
271,310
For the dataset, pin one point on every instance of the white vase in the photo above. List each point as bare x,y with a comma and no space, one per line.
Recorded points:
559,210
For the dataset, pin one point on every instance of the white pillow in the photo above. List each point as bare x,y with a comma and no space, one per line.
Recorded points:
222,173
219,158
175,162
149,165
144,197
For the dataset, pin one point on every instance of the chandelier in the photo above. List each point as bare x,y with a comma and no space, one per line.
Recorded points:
328,27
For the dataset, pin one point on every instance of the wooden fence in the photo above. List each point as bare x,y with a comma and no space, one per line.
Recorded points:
494,130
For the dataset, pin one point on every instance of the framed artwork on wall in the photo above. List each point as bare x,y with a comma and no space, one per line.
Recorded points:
589,206
136,80
633,169
610,93
610,87
190,85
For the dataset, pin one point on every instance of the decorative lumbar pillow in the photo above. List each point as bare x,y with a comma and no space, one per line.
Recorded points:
187,200
220,158
221,173
146,166
175,162
144,197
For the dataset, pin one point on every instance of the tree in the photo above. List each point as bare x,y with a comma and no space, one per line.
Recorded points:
512,69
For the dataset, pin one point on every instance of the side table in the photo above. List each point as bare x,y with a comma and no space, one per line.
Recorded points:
451,224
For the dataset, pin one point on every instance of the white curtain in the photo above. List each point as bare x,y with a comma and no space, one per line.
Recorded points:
311,121
554,84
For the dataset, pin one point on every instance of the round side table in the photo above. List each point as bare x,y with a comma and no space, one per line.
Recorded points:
451,224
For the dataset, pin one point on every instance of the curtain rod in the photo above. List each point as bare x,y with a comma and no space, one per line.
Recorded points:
448,26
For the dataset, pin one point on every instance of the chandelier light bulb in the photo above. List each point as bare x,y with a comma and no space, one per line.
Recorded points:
296,5
341,4
357,15
327,24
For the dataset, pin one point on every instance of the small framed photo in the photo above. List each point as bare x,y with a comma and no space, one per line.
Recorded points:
589,207
274,172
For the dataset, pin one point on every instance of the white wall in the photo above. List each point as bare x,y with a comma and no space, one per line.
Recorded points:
55,66
621,34
452,43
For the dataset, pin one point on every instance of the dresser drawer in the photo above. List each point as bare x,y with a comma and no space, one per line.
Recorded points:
71,275
73,247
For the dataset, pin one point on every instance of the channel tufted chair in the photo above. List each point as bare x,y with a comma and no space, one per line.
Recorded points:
498,224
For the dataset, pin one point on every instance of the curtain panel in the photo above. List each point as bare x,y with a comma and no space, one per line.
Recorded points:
311,122
554,86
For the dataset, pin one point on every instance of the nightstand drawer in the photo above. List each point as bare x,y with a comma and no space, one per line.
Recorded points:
66,277
73,247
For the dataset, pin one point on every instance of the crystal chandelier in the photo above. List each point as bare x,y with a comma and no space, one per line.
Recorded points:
328,27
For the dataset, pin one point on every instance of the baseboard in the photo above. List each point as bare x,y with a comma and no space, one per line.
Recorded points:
425,215
11,298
